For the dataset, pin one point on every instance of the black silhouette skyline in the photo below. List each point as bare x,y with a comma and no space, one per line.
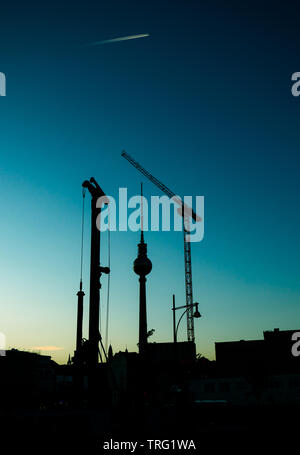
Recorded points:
92,353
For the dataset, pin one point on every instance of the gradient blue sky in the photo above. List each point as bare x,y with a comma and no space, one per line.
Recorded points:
204,104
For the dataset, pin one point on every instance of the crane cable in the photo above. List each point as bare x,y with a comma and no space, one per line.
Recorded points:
82,232
108,282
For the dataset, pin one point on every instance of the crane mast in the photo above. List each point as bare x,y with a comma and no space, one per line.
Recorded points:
187,244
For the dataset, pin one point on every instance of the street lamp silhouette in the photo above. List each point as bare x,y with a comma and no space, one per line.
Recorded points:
195,315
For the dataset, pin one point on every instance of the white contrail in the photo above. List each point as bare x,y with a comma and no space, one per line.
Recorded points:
123,38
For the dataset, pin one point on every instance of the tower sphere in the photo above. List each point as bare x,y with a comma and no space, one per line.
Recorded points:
142,265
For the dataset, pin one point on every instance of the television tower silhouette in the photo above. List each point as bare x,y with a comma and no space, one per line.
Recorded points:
142,266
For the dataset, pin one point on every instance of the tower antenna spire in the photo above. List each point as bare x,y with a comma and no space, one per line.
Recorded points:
142,215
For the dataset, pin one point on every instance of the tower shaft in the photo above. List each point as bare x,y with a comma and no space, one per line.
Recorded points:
142,316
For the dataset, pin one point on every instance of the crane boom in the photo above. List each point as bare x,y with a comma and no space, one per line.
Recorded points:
187,245
148,175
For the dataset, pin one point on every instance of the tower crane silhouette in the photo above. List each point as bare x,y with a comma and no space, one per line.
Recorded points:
186,213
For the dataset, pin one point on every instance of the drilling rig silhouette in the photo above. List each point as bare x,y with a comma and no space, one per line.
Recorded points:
86,356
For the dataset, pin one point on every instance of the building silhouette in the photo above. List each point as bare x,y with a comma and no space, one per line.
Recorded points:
253,372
